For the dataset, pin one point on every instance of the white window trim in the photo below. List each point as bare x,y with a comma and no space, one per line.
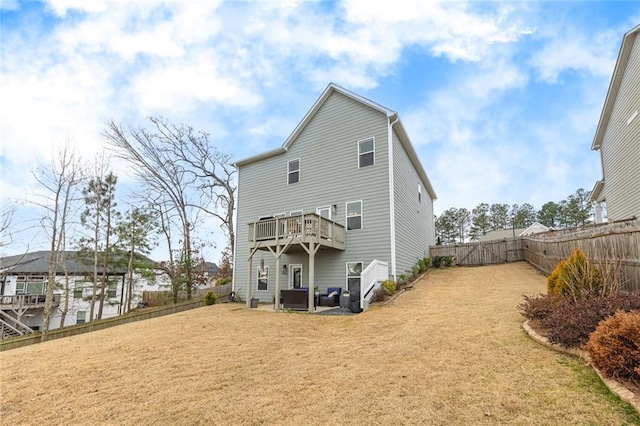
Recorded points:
346,215
324,208
290,274
296,213
419,193
366,152
258,279
347,276
289,172
84,320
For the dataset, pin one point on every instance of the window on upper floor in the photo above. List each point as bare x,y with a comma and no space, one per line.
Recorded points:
366,152
293,171
354,215
77,291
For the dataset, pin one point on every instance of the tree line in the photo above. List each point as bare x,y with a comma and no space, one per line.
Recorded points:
185,181
456,225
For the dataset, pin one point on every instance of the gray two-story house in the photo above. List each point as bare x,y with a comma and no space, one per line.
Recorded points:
618,137
344,202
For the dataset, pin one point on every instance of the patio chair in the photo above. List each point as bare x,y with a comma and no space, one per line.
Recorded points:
332,298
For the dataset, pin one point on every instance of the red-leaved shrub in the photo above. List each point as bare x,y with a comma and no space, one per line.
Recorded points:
614,346
538,307
571,322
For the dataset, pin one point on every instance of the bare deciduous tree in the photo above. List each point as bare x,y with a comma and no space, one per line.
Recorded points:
58,180
180,166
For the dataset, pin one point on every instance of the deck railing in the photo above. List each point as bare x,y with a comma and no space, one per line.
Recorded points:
309,224
27,300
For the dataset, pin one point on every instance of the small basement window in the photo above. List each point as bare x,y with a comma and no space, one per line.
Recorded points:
366,152
293,171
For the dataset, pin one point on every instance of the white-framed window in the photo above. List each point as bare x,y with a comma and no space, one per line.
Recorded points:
296,213
81,317
262,279
354,215
419,193
354,269
293,171
366,152
112,290
324,212
78,288
280,215
31,284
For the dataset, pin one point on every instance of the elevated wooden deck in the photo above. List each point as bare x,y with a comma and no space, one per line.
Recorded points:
294,231
30,301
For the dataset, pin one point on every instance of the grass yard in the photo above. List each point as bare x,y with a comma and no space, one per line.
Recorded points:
449,352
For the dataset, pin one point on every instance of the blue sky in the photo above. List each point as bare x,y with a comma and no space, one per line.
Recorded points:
500,99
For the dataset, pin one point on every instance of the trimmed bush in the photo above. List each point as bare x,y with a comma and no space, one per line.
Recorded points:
379,295
389,286
538,307
448,260
571,322
436,261
614,346
210,298
576,278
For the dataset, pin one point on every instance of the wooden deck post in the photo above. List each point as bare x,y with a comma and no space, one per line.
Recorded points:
250,261
312,273
276,296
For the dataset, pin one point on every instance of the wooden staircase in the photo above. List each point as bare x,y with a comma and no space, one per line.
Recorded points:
11,327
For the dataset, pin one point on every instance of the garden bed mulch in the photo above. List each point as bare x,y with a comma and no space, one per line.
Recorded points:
625,391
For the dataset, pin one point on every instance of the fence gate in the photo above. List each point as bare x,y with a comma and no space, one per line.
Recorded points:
482,253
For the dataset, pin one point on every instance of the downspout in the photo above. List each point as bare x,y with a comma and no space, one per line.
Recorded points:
392,205
235,242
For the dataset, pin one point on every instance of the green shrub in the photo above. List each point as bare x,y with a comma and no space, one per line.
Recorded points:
223,281
576,278
402,279
210,298
614,346
379,295
389,286
448,260
415,270
436,261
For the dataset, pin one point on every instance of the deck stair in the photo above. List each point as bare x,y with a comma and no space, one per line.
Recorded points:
11,327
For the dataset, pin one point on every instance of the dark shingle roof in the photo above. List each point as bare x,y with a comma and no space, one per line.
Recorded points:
38,263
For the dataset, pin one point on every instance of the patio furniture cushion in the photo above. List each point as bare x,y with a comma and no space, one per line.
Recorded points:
332,297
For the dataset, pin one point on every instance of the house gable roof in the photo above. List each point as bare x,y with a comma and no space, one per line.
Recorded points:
614,86
37,262
391,115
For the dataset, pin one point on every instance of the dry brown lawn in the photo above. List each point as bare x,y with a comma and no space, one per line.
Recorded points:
450,351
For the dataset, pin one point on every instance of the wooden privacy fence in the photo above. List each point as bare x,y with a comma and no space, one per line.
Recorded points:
133,316
613,246
161,298
610,246
481,253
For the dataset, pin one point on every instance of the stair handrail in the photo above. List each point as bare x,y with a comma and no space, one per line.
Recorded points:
18,325
370,278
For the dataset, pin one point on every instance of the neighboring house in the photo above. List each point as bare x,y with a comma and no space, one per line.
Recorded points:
345,197
618,137
23,286
534,228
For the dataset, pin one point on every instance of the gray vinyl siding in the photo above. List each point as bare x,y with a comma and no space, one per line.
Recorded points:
414,219
328,151
620,148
